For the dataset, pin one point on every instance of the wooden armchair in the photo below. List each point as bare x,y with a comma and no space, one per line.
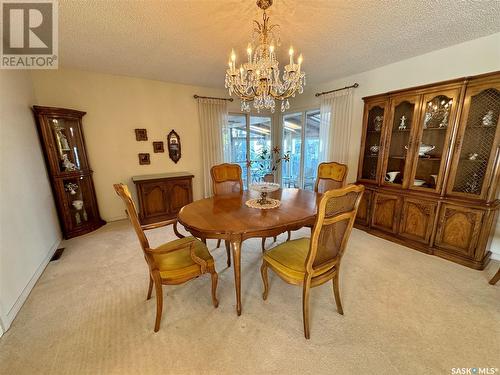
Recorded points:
313,261
172,263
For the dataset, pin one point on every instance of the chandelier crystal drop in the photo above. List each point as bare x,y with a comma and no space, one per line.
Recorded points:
258,80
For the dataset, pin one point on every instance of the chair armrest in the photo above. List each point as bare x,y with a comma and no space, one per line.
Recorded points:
159,224
164,224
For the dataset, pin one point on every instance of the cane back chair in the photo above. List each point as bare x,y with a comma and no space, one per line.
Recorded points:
172,263
331,175
313,261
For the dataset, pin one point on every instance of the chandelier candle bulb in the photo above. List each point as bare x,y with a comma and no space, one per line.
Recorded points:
290,52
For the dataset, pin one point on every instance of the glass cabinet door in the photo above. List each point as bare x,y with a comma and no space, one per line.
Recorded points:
370,162
477,142
431,144
404,112
78,202
68,143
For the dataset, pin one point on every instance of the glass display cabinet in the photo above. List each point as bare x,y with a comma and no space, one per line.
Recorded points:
431,144
62,140
404,111
431,168
370,162
477,153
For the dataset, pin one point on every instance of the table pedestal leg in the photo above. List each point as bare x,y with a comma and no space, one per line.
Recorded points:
236,247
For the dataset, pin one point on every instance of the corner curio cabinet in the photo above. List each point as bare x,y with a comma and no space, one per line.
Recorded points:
430,161
62,140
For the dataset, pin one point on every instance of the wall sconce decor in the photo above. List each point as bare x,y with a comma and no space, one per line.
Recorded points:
174,146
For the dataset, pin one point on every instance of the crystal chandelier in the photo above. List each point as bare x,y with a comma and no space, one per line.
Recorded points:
258,80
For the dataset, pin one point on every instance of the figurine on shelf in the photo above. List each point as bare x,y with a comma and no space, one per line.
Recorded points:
473,156
444,122
374,149
488,118
402,124
67,164
472,186
71,188
377,123
78,204
427,118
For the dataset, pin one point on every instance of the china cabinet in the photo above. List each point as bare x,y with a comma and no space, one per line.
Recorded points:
430,161
70,175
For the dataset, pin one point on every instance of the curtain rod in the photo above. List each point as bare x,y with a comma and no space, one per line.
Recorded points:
343,88
211,97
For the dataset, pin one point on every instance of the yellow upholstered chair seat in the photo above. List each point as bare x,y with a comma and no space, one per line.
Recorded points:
289,259
179,264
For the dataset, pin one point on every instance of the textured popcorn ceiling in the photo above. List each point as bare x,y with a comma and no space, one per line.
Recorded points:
190,41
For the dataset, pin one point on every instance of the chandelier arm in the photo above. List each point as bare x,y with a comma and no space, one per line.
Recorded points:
241,94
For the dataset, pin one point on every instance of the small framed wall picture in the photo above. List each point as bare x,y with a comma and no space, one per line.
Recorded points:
158,146
144,159
141,134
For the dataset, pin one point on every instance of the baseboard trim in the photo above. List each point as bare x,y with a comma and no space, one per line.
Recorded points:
7,319
495,256
116,218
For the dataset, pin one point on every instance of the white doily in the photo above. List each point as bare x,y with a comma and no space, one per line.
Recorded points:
253,203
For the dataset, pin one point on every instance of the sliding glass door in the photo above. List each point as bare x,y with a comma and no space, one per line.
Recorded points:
301,142
245,139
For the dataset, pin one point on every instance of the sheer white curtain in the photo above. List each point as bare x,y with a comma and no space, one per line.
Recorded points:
212,114
335,126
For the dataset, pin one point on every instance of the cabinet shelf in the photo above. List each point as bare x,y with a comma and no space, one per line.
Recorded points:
401,131
429,158
440,129
475,161
481,127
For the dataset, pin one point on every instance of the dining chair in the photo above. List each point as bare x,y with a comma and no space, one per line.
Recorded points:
311,262
331,175
172,263
226,179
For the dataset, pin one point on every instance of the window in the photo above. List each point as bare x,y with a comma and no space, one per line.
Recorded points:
301,141
244,140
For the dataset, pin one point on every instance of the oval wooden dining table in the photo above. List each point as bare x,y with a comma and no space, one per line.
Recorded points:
227,217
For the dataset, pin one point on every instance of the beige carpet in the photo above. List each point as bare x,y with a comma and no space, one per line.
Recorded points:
405,313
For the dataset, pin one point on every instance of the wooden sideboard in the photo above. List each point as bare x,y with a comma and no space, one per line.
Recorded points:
161,196
430,162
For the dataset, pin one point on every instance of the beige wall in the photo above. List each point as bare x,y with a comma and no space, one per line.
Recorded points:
115,106
470,58
28,222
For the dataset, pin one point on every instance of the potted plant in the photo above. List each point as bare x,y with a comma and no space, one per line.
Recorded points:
269,161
